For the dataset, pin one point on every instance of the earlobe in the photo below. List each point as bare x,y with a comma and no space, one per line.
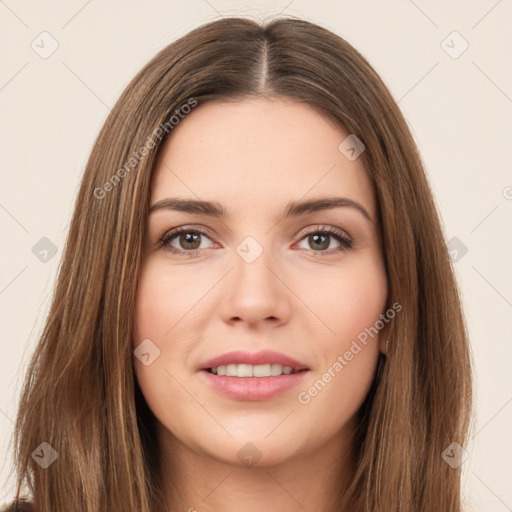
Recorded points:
384,343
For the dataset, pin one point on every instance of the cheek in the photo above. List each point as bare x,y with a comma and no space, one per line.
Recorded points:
162,299
170,313
149,304
157,310
348,353
359,302
349,300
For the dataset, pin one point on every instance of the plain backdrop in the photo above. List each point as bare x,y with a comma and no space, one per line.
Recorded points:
446,63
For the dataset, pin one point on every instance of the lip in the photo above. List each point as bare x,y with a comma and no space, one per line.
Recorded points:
256,358
253,388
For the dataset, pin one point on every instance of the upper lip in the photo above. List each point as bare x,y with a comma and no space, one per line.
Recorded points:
253,358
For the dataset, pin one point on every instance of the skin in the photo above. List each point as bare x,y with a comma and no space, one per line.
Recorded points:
254,156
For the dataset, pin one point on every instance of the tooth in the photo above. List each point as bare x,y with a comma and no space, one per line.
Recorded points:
231,370
275,370
245,370
248,370
262,370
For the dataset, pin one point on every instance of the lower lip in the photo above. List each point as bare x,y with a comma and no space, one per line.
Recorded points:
253,388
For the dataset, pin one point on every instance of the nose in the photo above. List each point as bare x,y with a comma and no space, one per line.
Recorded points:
255,292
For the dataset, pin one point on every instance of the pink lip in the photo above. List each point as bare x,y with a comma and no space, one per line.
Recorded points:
253,388
262,357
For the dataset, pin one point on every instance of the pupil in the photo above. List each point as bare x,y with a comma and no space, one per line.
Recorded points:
323,245
188,238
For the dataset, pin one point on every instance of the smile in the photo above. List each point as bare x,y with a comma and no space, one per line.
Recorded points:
249,370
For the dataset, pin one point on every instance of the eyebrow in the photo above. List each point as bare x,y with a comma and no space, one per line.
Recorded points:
292,209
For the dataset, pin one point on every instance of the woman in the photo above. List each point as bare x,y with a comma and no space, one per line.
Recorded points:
307,351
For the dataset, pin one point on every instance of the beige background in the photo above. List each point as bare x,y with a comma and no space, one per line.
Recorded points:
459,109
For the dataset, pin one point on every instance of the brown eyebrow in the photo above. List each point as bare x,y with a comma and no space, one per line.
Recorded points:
293,208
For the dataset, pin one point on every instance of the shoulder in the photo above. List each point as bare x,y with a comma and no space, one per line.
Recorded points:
17,506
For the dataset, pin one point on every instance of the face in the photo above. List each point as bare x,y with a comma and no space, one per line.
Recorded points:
272,286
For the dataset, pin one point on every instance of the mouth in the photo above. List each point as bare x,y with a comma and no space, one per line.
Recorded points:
253,376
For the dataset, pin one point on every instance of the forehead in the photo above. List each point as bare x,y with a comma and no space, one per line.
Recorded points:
258,153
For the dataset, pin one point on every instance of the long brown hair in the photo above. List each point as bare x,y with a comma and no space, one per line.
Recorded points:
80,394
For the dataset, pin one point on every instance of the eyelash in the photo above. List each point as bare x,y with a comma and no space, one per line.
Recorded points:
345,241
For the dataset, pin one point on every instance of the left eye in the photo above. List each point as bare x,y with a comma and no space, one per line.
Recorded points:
320,241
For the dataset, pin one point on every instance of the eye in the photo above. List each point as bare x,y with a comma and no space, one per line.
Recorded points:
188,241
320,240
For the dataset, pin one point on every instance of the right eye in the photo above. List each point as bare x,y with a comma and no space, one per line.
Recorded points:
188,241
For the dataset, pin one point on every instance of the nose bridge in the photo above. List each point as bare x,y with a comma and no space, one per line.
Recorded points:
255,293
253,261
